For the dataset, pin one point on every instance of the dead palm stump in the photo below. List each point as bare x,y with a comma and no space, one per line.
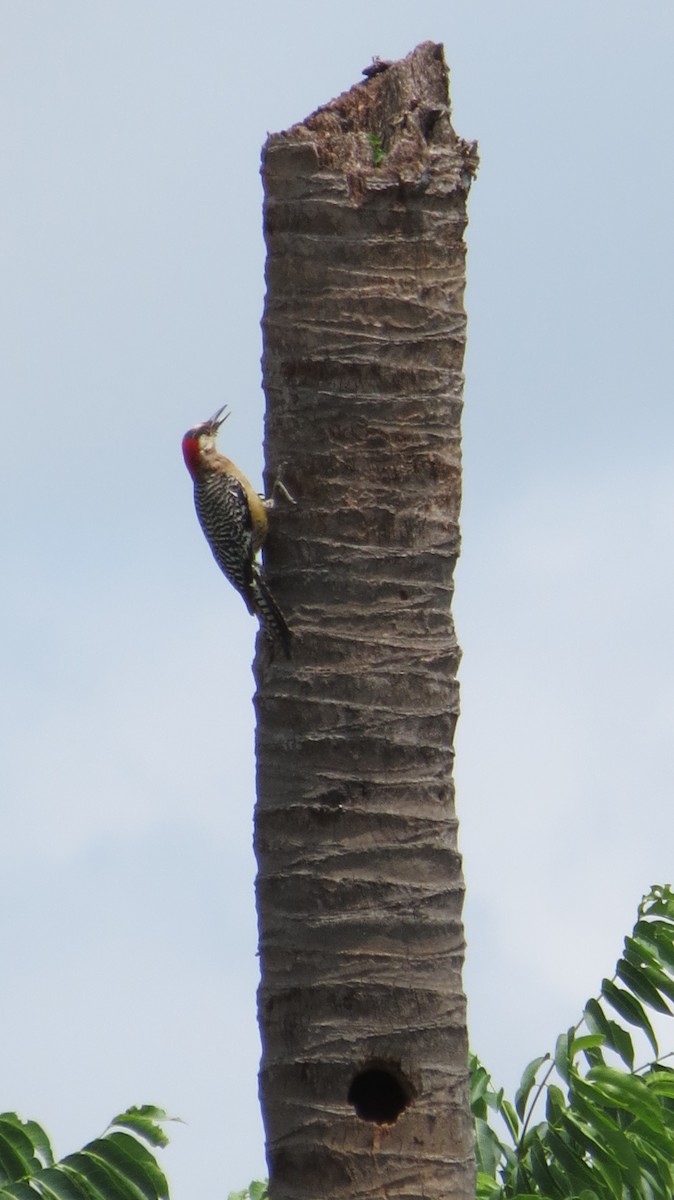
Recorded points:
364,1078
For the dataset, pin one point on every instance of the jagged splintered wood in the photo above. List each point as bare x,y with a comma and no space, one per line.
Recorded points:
364,1078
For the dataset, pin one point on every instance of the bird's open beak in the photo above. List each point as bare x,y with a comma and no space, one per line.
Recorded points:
218,418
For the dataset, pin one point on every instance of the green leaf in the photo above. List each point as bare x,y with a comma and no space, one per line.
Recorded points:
19,1191
616,1147
41,1143
639,983
629,1092
660,935
555,1103
27,1137
488,1150
144,1122
543,1175
486,1190
659,980
617,1038
584,1138
622,1043
527,1082
569,1159
479,1087
562,1055
639,950
630,1009
656,1184
16,1154
595,1018
587,1042
57,1184
258,1190
643,952
655,1164
660,1082
117,1166
519,1194
591,1107
594,1057
660,900
134,1161
612,1136
378,156
510,1117
99,1180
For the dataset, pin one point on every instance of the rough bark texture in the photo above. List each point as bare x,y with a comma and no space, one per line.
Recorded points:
364,1076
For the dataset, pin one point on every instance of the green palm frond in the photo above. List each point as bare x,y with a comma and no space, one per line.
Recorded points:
116,1166
586,1123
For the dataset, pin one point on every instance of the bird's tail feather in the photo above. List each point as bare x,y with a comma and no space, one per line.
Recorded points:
272,620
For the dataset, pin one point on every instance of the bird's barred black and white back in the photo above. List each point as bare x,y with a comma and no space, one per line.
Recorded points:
224,515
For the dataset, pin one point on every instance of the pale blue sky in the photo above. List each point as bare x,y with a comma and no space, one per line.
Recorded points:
132,287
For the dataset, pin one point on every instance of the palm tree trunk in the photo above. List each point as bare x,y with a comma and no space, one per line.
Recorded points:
364,1080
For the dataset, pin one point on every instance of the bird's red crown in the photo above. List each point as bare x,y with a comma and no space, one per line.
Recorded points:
192,439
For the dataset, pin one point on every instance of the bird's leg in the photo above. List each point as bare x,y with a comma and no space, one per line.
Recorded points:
278,486
281,488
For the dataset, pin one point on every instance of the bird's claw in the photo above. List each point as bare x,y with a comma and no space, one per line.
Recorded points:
280,487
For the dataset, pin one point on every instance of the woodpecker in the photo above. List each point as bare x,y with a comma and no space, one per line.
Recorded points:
234,519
